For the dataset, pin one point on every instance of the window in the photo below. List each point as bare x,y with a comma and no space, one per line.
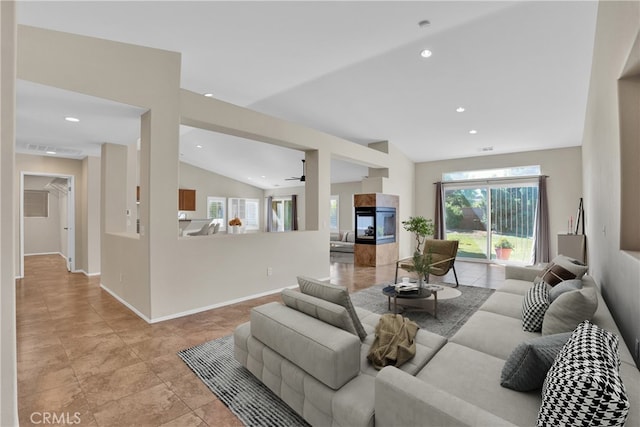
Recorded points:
216,210
36,203
248,210
334,222
492,213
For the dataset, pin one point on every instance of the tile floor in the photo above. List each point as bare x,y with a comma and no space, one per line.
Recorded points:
85,359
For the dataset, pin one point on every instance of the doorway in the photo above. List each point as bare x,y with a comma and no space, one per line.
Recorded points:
47,216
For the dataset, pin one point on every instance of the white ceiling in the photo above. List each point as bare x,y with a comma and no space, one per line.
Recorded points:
352,69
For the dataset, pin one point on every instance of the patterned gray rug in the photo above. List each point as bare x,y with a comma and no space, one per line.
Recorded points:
250,400
255,405
452,313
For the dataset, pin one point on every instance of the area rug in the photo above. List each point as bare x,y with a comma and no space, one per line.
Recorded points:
453,309
255,405
250,400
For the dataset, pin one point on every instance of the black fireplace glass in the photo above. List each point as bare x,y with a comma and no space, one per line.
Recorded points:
375,226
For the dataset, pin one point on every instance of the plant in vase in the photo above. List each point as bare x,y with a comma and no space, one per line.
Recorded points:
503,249
421,227
235,224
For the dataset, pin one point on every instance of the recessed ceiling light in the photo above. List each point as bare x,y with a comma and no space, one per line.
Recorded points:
51,152
486,149
426,53
473,131
460,109
262,176
198,146
208,95
424,23
72,119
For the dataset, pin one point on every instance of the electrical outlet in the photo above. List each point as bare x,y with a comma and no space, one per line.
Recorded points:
269,271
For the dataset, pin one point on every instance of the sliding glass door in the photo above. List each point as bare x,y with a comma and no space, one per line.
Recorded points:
493,220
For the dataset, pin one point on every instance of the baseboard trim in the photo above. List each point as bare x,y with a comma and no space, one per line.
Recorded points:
46,253
87,274
126,304
195,310
221,304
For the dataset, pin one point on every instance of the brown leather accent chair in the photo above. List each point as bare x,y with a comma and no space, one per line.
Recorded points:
443,258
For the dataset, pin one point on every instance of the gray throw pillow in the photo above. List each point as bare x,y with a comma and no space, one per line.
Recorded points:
562,287
326,311
569,310
332,293
528,364
534,305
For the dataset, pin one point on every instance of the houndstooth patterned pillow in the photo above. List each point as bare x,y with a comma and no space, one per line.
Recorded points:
583,386
535,304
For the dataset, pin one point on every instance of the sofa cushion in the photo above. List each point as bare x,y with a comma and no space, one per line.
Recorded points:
332,293
563,268
528,364
492,334
330,355
534,305
473,377
564,286
569,309
326,311
504,303
583,387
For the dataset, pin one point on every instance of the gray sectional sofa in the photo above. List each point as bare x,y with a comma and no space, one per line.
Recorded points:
310,352
343,242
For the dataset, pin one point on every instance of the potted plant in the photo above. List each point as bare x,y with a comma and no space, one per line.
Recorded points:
234,225
503,249
421,228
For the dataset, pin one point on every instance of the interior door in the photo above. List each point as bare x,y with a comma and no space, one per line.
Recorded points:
70,225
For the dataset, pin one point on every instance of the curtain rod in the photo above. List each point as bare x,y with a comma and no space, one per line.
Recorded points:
489,180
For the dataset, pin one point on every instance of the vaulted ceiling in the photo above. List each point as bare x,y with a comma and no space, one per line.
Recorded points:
354,69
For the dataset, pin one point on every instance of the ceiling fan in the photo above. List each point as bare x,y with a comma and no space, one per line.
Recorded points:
302,178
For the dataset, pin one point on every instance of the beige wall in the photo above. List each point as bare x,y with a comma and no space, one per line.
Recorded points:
89,191
8,381
617,271
564,186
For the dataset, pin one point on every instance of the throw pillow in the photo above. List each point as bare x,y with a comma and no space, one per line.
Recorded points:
332,293
535,304
564,286
326,311
563,268
528,364
569,309
583,386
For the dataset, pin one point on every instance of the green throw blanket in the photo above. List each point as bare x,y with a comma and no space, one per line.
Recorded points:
395,341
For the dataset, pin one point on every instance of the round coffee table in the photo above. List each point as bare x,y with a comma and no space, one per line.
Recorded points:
418,294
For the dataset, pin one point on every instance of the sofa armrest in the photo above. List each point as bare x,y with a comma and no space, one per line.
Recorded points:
404,400
527,273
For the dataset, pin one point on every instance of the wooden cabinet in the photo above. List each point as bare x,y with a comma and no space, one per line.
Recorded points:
186,200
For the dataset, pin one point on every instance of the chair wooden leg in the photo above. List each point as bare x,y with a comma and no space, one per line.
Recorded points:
396,279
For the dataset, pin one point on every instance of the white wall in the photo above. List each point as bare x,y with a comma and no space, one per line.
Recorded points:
617,271
564,185
42,235
345,191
